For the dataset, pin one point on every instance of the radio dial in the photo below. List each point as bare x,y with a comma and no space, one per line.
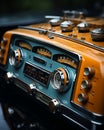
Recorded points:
15,58
59,79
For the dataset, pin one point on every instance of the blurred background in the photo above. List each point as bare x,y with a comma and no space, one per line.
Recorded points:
94,7
22,12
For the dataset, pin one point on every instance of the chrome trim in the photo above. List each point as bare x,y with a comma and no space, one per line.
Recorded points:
85,43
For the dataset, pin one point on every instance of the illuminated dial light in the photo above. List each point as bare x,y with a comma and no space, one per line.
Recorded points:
67,60
44,52
23,44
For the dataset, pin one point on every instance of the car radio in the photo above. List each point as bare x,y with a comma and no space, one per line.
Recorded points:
60,63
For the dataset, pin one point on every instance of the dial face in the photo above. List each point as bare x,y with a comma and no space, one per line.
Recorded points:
64,59
23,44
42,51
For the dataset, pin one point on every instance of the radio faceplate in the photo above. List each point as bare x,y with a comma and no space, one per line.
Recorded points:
52,69
37,74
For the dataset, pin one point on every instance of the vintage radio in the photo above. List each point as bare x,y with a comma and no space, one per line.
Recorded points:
60,63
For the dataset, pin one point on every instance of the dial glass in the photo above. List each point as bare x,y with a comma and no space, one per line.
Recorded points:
42,51
23,44
64,59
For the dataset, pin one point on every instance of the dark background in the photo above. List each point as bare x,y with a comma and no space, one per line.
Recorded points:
10,6
17,12
22,12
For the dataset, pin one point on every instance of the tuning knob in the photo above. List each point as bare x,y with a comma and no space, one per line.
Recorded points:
55,22
83,27
15,58
89,71
97,34
86,84
9,75
83,98
60,80
67,26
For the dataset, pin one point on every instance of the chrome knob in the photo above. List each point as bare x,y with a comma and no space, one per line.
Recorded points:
9,77
67,26
97,34
55,22
15,58
83,98
83,27
86,84
60,80
89,71
54,105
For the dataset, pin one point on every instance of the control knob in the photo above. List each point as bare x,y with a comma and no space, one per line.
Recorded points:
89,71
60,80
15,58
67,26
83,98
83,27
86,84
97,34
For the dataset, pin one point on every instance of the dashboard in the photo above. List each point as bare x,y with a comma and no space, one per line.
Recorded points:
60,64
